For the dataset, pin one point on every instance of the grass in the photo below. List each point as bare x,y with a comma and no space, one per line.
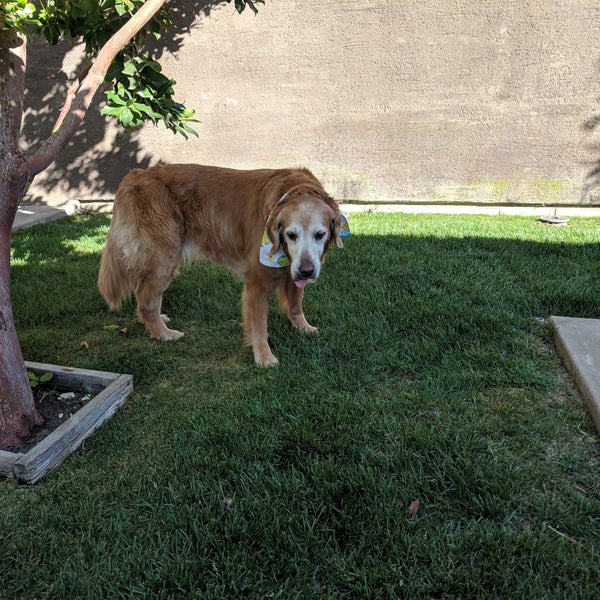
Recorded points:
433,378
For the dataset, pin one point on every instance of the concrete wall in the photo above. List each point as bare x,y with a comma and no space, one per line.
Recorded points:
385,100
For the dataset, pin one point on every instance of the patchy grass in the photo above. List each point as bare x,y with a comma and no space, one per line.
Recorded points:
433,378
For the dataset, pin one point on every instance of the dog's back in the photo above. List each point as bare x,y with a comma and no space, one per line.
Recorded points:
170,212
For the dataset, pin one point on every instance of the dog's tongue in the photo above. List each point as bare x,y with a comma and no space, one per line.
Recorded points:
302,283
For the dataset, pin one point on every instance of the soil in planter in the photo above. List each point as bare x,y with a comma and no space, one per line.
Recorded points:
55,405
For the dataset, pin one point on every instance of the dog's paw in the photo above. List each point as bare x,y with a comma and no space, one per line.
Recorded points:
305,327
309,329
266,361
301,324
271,362
170,335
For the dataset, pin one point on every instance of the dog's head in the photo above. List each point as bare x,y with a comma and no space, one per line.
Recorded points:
304,224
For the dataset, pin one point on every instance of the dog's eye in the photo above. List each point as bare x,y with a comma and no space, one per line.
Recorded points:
320,235
291,236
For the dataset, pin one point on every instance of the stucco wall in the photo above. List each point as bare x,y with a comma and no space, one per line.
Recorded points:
383,99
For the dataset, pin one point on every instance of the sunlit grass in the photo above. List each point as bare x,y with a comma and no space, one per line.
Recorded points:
432,378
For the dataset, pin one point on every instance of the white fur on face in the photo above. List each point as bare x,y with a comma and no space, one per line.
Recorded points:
306,235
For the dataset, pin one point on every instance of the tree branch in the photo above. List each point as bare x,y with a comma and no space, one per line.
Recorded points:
77,107
13,55
71,95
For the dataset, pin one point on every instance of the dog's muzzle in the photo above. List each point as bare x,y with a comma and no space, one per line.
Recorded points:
307,273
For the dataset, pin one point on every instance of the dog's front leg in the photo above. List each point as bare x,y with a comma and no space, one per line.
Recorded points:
255,302
290,298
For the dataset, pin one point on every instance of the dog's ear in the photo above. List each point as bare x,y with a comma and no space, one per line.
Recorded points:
335,231
336,222
274,227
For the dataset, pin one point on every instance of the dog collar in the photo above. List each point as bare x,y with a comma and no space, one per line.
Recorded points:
279,259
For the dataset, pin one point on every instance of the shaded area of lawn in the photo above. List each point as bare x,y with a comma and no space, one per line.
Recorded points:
432,378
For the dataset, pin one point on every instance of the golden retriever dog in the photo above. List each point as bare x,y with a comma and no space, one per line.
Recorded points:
271,227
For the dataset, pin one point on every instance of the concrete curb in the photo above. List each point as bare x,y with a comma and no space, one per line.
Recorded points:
36,214
578,343
29,215
470,209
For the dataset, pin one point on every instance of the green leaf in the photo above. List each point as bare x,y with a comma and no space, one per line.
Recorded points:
188,113
111,110
240,5
120,8
147,110
187,128
130,68
35,380
126,117
144,93
115,98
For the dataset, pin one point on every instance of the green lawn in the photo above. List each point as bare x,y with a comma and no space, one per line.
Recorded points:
433,378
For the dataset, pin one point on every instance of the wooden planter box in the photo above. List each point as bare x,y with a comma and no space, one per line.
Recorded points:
110,389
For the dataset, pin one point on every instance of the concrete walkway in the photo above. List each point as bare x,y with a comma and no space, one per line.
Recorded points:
36,214
577,340
578,343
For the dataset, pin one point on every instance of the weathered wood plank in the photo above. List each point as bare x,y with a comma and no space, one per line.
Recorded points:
111,389
54,448
73,378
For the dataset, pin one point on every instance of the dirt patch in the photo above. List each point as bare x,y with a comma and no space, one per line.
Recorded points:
55,405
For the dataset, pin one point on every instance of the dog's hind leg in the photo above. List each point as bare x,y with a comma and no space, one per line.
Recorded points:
290,299
150,287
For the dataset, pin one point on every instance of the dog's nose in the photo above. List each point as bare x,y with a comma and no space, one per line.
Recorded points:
307,271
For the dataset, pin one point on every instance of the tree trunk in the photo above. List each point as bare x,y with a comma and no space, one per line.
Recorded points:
17,410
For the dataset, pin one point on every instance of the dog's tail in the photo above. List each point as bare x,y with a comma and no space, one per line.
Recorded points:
116,280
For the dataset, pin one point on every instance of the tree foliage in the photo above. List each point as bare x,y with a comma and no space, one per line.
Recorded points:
139,91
